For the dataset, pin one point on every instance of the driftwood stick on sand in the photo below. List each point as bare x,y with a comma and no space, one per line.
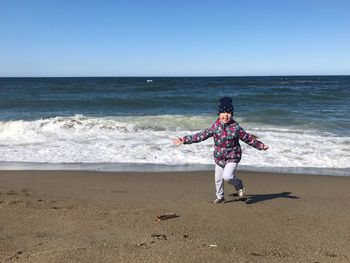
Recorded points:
166,216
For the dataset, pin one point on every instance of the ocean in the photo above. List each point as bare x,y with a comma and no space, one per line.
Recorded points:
128,123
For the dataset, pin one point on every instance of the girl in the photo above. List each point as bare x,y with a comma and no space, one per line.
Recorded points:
227,150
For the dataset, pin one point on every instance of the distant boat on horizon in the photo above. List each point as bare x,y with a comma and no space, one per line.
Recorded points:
149,80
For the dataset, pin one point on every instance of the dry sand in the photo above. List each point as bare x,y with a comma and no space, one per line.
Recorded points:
49,216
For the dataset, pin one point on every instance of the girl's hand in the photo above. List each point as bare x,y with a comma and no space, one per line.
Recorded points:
265,147
178,141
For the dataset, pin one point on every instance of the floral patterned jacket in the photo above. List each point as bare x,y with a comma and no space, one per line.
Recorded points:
226,141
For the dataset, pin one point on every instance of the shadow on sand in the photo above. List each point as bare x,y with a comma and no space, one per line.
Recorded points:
252,199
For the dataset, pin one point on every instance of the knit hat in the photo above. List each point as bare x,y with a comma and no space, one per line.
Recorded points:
225,105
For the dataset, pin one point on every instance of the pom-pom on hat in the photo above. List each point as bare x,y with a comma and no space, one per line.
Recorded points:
225,105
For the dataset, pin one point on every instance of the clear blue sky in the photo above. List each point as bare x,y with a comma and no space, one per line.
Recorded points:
174,37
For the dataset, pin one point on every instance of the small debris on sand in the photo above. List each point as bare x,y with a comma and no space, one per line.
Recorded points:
159,236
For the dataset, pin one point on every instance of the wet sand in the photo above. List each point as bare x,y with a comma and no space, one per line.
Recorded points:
63,216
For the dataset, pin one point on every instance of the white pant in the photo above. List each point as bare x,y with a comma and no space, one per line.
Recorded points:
226,174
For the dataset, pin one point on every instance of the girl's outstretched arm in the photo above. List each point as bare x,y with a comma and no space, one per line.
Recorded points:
194,138
251,140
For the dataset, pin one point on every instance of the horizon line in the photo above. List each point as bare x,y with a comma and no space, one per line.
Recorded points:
185,76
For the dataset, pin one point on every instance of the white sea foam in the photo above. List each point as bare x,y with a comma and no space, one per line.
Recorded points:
148,139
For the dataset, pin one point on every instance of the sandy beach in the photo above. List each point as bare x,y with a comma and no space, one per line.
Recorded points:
63,216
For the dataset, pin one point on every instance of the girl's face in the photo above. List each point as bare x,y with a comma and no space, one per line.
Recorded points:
225,117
